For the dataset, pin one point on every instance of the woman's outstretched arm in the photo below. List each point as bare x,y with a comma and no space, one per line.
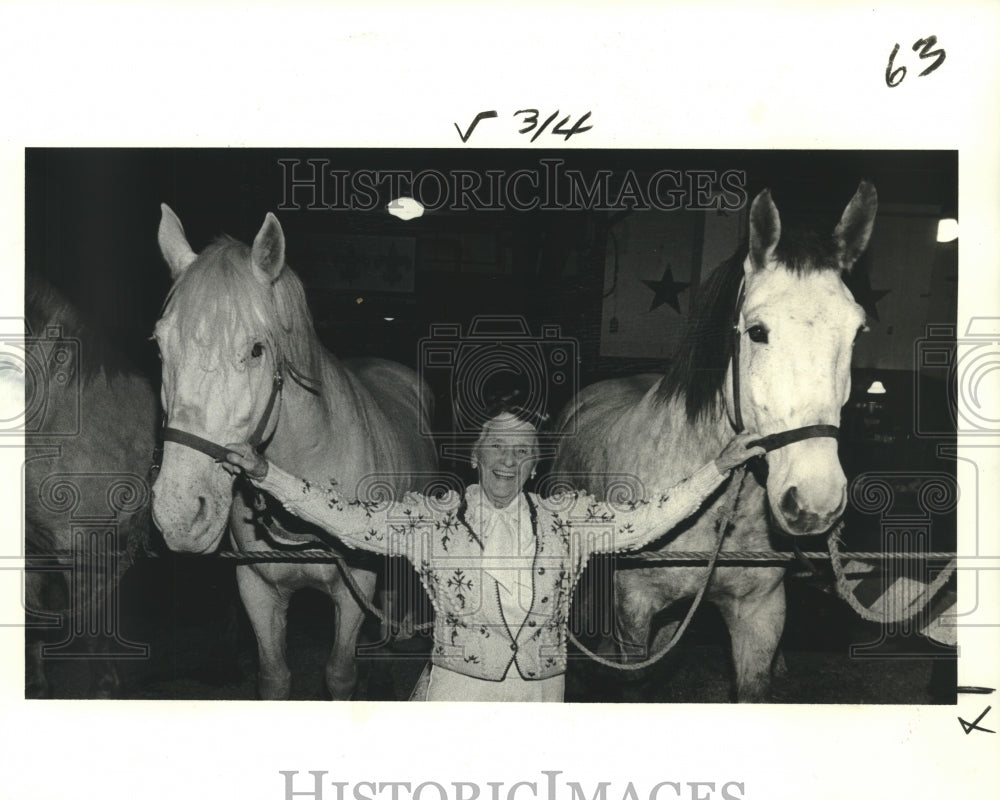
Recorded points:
397,527
600,527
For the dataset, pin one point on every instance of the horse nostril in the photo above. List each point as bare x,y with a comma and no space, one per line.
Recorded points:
790,502
202,510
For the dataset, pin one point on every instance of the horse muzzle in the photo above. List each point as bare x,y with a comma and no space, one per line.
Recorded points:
191,503
806,487
796,517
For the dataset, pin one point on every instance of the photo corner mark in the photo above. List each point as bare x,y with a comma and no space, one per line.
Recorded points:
969,727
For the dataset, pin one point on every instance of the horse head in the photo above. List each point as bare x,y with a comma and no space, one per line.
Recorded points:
794,334
229,326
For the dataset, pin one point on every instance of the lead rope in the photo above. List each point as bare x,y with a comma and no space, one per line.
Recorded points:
332,552
725,530
907,610
369,607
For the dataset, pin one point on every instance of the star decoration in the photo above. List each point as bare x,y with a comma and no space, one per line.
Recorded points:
666,290
867,297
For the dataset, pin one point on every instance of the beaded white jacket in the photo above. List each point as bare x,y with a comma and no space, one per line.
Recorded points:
436,537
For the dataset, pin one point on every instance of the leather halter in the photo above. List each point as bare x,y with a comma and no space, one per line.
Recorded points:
217,451
774,441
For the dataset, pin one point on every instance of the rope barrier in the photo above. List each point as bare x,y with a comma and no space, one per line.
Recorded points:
634,667
724,530
675,557
912,608
712,559
752,557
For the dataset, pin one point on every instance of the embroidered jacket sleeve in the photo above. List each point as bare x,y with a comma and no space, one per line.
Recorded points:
592,526
405,527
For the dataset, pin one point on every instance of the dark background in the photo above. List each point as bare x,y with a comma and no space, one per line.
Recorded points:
92,217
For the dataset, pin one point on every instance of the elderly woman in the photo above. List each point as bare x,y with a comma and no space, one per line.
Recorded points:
498,563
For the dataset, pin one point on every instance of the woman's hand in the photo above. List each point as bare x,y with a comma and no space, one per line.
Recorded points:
244,457
737,452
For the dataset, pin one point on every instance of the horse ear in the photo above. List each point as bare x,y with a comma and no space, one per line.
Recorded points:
173,244
765,230
855,226
268,255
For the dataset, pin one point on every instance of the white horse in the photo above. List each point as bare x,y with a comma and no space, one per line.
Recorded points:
241,361
775,328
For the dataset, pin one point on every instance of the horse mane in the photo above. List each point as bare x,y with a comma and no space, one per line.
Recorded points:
219,299
46,308
698,372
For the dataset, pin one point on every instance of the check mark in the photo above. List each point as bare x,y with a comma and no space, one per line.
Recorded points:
969,727
480,116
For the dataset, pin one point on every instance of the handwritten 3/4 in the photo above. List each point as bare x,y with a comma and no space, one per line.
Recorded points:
529,118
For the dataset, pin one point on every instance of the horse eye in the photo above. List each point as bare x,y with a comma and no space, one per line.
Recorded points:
758,334
257,351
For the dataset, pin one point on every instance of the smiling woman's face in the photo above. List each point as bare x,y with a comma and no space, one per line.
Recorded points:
506,452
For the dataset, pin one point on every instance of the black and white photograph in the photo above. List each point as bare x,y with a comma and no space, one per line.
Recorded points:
558,337
661,418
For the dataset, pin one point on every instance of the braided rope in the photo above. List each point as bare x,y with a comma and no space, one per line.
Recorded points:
760,557
711,559
844,591
723,532
673,639
369,607
268,525
675,557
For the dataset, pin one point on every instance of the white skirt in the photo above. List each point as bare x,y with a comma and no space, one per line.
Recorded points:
439,684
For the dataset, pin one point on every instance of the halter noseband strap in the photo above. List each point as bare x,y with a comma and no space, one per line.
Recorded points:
209,448
217,451
776,440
